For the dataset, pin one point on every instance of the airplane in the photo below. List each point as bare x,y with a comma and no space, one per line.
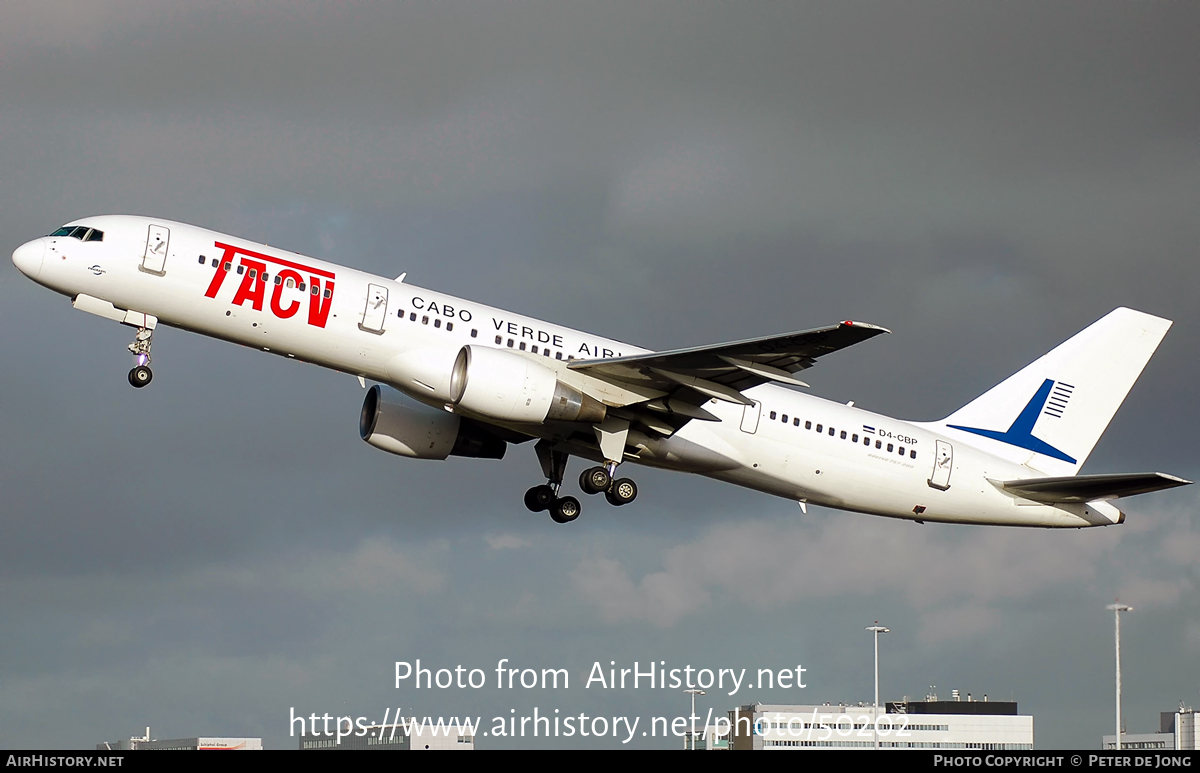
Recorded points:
457,378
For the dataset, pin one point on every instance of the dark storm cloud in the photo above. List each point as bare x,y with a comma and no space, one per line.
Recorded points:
985,180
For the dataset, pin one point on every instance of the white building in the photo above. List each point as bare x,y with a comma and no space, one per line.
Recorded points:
929,724
712,738
408,735
199,743
1176,730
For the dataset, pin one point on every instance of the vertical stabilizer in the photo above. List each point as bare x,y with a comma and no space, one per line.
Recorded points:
1050,414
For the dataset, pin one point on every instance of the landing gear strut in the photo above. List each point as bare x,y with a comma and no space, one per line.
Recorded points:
141,374
545,497
611,435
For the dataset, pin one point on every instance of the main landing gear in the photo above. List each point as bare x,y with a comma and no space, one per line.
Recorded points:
618,492
540,498
141,374
594,480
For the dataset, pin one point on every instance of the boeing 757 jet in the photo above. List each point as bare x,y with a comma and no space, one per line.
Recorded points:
459,378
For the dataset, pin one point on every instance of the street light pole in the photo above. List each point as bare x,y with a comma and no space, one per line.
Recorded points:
692,717
1117,609
876,629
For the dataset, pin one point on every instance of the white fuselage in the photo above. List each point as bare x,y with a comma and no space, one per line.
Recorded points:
358,323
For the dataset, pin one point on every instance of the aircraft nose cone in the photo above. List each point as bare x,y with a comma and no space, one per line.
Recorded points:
28,257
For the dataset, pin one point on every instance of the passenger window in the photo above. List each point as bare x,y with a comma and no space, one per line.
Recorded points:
854,438
510,343
772,415
878,444
437,323
474,333
831,432
303,287
785,418
241,269
807,424
290,283
201,260
449,326
533,349
425,320
889,448
279,280
902,450
820,429
866,441
843,434
912,454
316,289
399,314
558,355
216,262
328,293
796,422
265,276
228,266
522,346
499,340
412,317
253,273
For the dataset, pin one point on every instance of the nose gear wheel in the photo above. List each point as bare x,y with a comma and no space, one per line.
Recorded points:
141,374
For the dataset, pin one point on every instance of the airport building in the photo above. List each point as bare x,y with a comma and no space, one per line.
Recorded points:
401,736
713,738
199,743
928,724
1176,730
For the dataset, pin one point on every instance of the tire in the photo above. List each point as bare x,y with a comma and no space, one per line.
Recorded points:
565,510
539,498
623,492
594,480
140,376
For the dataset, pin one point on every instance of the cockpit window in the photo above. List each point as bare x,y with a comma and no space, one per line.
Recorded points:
80,232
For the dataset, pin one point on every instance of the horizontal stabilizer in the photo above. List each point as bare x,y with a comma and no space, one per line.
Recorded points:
1090,488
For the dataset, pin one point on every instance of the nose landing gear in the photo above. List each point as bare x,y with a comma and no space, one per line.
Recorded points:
141,374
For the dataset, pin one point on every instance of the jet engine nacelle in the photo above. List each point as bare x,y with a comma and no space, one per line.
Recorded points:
408,428
424,372
508,387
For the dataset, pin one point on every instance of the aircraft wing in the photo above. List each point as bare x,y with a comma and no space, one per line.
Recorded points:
722,371
1089,488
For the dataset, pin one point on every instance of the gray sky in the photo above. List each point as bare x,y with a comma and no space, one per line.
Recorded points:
983,179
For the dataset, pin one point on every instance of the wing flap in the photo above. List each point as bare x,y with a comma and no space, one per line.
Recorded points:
723,370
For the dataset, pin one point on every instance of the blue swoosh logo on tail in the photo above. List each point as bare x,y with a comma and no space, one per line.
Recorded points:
1020,434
